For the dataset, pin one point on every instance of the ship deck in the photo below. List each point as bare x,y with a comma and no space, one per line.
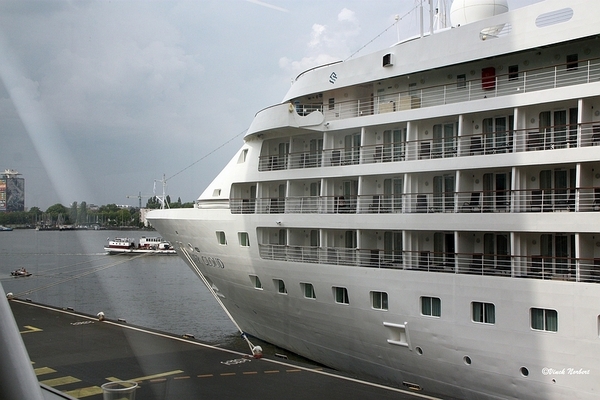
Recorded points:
76,353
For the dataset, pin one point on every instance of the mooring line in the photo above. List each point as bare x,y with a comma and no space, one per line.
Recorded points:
256,350
29,291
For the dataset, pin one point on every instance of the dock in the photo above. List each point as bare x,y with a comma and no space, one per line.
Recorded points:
76,353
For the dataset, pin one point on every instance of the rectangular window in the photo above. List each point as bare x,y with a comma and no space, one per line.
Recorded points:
331,103
544,320
280,286
461,81
513,72
431,306
379,300
341,295
483,312
256,281
221,239
572,62
243,156
244,240
308,290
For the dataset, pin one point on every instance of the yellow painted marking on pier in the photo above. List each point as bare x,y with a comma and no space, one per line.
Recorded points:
272,372
65,380
250,373
147,378
206,376
293,370
228,374
43,371
31,329
85,392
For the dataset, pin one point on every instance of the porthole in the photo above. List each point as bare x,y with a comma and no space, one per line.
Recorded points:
467,360
419,350
524,371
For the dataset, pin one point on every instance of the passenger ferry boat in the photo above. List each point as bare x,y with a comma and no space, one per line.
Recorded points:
427,214
155,245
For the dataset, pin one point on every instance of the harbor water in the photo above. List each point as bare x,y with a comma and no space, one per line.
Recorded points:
70,269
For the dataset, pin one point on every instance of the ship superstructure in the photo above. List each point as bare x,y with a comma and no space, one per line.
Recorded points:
428,214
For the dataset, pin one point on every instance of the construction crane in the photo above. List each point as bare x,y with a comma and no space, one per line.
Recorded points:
139,197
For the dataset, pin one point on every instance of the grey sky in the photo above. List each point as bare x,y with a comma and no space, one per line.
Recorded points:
100,98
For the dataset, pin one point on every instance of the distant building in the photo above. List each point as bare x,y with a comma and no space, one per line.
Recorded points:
12,191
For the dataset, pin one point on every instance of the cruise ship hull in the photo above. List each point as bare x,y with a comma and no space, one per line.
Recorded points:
400,347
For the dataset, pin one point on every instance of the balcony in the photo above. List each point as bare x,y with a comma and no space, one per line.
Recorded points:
530,266
502,85
584,199
513,141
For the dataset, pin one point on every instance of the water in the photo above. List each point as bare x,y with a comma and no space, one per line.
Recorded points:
70,269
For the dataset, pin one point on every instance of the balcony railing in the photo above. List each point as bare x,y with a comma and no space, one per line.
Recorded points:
512,141
508,84
531,266
583,199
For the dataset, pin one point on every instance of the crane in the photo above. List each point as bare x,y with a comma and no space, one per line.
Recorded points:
139,196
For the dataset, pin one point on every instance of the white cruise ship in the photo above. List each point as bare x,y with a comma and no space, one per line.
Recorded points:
428,214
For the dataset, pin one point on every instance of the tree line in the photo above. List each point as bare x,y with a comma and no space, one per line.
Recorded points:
109,215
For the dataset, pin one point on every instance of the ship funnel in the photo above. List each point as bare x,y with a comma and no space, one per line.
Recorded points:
466,11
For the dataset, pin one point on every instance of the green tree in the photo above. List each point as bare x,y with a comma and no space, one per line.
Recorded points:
73,212
56,210
82,213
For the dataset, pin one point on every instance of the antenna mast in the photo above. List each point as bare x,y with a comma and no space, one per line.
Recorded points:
163,198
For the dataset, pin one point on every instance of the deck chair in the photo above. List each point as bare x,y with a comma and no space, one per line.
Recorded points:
473,204
536,200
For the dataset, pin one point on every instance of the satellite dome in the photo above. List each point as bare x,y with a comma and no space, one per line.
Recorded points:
466,11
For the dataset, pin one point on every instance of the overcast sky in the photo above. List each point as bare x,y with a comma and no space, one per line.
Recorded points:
98,99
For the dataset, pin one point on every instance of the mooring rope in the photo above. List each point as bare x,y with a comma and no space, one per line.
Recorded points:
81,275
256,350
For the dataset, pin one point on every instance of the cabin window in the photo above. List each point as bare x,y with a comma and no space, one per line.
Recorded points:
483,312
243,156
308,290
351,149
392,247
221,239
341,295
388,60
331,103
572,62
461,81
431,306
244,239
379,300
280,286
513,72
256,282
544,320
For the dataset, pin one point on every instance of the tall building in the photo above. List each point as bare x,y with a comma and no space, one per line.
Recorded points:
12,191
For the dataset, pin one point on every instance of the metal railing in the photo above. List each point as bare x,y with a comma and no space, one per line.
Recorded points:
502,85
530,266
584,199
511,141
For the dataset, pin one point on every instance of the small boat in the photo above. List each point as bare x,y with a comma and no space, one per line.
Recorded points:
155,245
5,228
21,272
